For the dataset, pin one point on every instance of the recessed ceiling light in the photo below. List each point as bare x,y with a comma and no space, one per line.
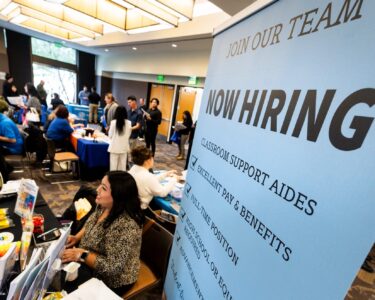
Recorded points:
106,50
63,42
134,48
174,45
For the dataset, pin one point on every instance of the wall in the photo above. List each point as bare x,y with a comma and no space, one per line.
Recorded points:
191,63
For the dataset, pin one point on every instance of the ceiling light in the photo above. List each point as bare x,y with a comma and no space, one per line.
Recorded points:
134,48
106,50
174,45
88,19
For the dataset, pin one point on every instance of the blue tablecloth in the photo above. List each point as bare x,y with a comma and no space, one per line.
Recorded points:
165,203
82,111
93,155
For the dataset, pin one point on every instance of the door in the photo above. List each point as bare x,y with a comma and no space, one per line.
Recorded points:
165,95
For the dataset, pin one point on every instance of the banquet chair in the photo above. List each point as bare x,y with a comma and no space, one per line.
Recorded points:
62,160
156,247
24,158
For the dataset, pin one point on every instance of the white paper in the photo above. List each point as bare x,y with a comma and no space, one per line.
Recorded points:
93,289
18,282
7,263
17,100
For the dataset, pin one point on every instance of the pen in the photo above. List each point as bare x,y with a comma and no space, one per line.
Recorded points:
47,232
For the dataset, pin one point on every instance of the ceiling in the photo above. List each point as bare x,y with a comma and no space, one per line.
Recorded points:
189,36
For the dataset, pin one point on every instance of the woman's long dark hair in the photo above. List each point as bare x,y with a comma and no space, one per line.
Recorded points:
31,90
120,116
187,119
125,197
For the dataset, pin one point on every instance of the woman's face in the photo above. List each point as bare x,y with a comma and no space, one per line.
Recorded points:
154,104
108,99
25,88
104,197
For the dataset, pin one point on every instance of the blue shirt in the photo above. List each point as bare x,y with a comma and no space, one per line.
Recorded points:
59,129
9,129
84,97
134,116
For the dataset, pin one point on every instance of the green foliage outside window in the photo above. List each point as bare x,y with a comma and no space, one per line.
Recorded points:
53,51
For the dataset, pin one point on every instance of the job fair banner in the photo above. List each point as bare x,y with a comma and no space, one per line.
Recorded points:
280,194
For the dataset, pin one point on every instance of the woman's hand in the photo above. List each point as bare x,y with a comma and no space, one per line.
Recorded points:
171,173
72,240
73,254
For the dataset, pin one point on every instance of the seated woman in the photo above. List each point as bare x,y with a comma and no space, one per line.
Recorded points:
149,184
60,130
11,141
109,244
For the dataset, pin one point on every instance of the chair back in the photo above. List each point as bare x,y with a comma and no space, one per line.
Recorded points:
51,148
156,247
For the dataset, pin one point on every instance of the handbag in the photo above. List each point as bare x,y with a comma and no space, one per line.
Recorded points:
32,115
176,137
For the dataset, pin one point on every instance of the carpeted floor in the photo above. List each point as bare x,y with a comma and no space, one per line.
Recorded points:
59,196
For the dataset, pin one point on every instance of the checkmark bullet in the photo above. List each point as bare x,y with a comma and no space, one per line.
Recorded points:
193,162
187,189
182,214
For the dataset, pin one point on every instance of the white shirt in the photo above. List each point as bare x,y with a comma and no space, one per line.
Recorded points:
149,185
119,143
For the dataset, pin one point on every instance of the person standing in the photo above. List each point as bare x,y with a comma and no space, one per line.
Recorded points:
135,117
56,101
83,96
119,133
42,93
94,100
143,108
153,120
187,123
109,109
9,89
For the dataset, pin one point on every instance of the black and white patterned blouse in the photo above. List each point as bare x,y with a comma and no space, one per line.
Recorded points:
117,247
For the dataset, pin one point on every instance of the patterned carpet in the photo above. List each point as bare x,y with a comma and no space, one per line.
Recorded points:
59,197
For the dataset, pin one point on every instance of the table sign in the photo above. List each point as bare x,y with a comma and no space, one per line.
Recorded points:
279,201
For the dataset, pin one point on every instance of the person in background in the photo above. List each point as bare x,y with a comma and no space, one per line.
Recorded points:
42,93
135,117
187,122
11,141
83,96
60,130
32,97
94,100
56,101
149,184
153,120
109,109
191,140
143,109
9,89
119,133
108,246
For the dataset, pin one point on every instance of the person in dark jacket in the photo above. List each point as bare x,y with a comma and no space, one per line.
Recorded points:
187,123
9,89
153,120
94,100
56,101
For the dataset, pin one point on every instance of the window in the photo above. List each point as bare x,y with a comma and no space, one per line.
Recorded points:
57,80
56,65
53,51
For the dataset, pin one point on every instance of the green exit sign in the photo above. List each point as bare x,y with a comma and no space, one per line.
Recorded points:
160,78
193,80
